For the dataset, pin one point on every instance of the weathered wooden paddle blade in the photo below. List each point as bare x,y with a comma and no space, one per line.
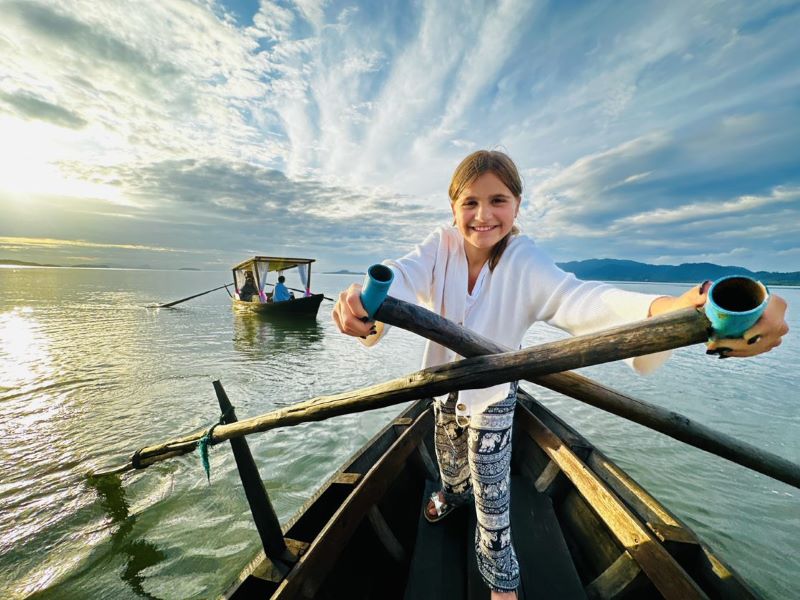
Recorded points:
267,524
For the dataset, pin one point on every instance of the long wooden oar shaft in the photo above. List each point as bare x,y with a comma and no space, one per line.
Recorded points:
168,304
653,335
673,424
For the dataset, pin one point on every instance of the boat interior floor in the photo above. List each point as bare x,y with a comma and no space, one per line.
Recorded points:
443,565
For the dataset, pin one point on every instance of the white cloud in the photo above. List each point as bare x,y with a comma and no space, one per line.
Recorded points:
313,11
273,21
706,210
631,120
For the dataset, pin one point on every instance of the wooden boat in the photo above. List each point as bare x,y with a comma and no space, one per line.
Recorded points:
304,304
581,526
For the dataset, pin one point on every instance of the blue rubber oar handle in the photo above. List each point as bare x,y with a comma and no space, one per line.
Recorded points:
376,288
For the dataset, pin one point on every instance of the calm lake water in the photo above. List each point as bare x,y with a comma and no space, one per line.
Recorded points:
87,373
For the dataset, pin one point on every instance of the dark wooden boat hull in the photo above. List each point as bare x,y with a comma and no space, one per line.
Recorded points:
299,307
581,527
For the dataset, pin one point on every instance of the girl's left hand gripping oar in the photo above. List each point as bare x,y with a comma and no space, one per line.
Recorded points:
357,305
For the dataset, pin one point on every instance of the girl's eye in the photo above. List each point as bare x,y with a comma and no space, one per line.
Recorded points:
499,200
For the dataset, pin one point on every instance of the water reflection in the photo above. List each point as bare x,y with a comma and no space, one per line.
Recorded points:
258,336
23,349
139,554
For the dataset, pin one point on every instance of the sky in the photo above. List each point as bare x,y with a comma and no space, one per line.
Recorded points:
177,133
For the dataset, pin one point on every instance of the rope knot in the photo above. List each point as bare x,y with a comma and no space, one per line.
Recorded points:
208,440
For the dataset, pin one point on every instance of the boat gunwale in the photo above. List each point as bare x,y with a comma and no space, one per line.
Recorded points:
393,458
413,411
616,477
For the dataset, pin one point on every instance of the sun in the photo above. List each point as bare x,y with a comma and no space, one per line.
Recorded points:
29,157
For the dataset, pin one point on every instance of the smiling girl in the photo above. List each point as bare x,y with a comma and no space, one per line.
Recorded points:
482,274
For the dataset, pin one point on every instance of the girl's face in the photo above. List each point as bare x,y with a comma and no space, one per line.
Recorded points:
485,211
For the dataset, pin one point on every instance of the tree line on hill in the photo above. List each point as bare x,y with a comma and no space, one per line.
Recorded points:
608,269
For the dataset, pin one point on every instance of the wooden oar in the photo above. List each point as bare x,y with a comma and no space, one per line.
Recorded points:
665,332
539,364
168,304
468,343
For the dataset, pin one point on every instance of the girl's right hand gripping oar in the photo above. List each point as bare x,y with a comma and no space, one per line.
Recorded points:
357,305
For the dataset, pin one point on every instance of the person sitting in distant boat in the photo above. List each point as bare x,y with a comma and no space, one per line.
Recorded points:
249,288
281,293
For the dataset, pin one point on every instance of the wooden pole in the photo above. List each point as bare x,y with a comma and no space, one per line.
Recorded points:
653,335
259,287
680,427
267,524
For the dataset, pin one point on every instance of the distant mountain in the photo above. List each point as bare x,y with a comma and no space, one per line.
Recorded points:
609,269
22,263
91,266
343,272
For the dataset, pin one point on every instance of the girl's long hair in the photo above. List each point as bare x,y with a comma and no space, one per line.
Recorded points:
475,165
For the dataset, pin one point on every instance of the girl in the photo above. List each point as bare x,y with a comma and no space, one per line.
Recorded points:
482,274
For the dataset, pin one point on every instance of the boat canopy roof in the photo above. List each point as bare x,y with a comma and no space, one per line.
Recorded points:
275,263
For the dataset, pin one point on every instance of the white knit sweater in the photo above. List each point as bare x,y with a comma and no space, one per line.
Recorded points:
526,286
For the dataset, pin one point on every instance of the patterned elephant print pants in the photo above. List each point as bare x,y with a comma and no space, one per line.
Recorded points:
475,460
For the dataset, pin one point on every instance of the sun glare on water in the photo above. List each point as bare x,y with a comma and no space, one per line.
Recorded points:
23,349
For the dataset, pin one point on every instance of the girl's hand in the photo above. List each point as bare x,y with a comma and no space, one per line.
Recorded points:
762,337
349,314
694,298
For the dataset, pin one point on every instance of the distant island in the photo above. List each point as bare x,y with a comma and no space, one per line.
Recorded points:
22,263
343,272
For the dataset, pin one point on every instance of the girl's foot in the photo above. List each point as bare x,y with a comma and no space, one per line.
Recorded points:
437,508
431,508
504,595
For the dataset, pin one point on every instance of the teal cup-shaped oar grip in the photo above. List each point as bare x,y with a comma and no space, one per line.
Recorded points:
376,288
734,305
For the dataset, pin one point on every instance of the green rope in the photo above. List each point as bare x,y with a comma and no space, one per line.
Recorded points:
202,448
207,440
